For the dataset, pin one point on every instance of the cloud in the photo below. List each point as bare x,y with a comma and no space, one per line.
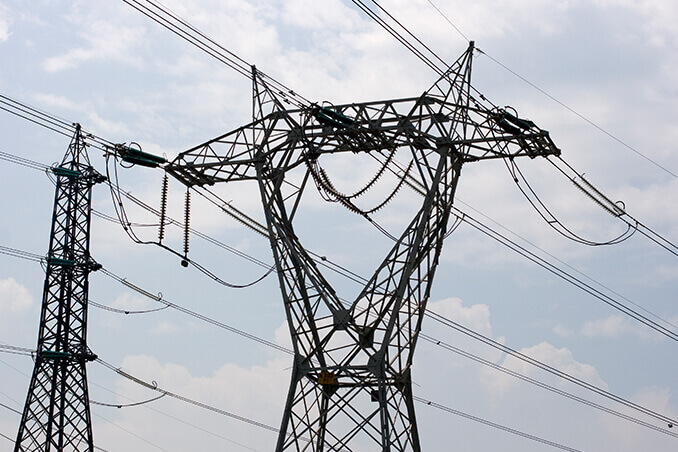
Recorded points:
616,326
13,296
627,437
562,331
104,41
256,392
559,358
54,101
164,328
476,317
5,24
130,301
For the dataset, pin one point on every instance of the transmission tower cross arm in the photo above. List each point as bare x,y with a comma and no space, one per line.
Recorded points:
301,136
450,115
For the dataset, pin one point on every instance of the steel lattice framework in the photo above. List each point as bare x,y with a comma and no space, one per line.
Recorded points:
351,386
56,416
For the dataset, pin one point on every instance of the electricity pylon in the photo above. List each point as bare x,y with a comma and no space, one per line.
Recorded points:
351,386
56,416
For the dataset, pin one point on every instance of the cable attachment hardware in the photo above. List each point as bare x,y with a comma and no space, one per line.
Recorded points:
163,208
187,219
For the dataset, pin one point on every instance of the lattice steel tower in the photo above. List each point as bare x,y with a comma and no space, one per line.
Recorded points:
56,416
351,385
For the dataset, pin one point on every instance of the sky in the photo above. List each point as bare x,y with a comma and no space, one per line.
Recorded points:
598,74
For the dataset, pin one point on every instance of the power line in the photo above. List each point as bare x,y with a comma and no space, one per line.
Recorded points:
10,408
552,370
16,350
23,161
443,345
180,27
449,21
197,315
581,116
400,38
130,432
550,267
134,404
47,120
21,254
7,437
518,375
566,276
126,311
493,424
611,207
652,235
118,205
535,246
148,407
18,412
276,430
475,224
482,339
176,396
646,231
557,101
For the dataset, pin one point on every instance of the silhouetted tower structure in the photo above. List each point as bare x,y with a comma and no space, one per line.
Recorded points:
56,416
351,386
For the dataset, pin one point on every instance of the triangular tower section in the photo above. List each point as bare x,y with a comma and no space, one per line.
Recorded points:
265,100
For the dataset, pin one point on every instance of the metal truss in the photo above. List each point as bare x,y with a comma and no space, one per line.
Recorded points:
351,386
56,416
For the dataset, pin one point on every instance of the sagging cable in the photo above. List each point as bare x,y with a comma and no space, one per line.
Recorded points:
128,405
550,219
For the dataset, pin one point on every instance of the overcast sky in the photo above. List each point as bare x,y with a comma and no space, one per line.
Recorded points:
126,79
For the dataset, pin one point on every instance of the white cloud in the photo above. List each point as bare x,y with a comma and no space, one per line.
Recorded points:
105,41
562,359
131,302
13,296
476,317
281,336
562,331
54,101
616,326
5,24
256,392
623,436
164,328
107,127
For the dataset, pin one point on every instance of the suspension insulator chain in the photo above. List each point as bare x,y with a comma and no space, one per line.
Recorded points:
163,208
187,219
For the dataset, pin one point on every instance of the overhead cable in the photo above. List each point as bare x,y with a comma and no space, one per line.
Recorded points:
553,389
543,366
155,387
483,339
182,421
425,337
262,425
617,210
493,424
557,101
577,282
163,16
